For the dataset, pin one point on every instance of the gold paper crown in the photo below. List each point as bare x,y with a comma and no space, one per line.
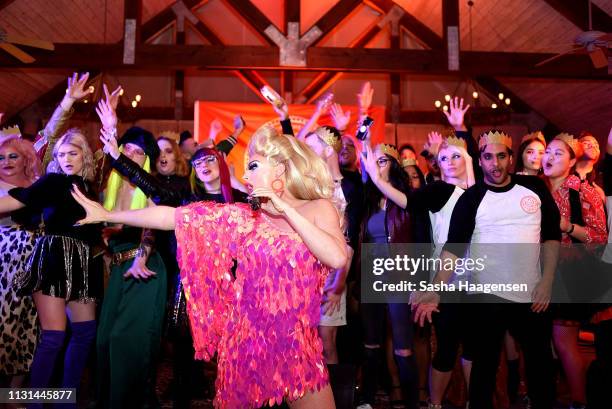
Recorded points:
409,162
453,140
570,141
495,137
8,132
537,135
388,149
329,138
170,135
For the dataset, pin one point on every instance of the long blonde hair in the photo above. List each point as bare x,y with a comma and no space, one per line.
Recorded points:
74,137
469,167
307,176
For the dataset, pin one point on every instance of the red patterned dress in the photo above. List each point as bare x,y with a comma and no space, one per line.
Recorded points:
593,211
262,323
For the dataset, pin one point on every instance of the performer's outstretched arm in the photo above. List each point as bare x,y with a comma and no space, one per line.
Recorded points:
156,217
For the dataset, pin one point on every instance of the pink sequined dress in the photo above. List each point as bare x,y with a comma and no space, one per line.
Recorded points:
262,323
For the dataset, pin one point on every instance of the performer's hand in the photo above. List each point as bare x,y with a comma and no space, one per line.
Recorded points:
110,143
370,164
107,114
541,295
364,98
434,139
456,114
332,297
139,269
424,304
565,224
215,128
76,87
341,119
112,98
424,312
95,213
275,205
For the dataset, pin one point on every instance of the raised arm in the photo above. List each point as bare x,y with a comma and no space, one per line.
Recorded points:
386,188
75,91
322,236
322,106
156,217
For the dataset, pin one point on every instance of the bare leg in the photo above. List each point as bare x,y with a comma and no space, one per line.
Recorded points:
79,311
467,370
438,383
323,399
328,336
565,339
51,311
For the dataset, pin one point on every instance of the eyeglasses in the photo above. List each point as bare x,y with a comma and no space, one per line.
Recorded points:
382,162
132,150
11,156
209,160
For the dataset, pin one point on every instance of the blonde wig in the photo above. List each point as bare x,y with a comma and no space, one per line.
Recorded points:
307,176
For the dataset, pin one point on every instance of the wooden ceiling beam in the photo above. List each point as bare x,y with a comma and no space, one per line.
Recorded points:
341,59
577,11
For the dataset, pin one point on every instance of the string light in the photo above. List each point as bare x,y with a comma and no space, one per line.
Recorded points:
121,92
445,108
134,104
494,105
500,96
475,95
447,98
85,101
438,104
507,101
91,89
138,98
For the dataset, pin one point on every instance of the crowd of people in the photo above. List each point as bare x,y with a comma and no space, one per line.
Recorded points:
115,251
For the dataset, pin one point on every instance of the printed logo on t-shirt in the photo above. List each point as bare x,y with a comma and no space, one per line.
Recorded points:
530,204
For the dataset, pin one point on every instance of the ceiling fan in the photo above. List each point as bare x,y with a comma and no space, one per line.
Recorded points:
7,42
593,43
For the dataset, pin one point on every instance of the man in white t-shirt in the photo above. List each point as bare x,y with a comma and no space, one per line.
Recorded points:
504,219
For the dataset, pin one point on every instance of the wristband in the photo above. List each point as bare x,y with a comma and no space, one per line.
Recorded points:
571,229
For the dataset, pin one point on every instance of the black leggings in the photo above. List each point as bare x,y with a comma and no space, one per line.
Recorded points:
452,330
373,317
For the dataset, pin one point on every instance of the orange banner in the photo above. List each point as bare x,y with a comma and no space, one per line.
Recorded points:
258,115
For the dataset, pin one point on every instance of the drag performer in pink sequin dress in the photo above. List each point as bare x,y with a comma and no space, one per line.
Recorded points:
262,322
